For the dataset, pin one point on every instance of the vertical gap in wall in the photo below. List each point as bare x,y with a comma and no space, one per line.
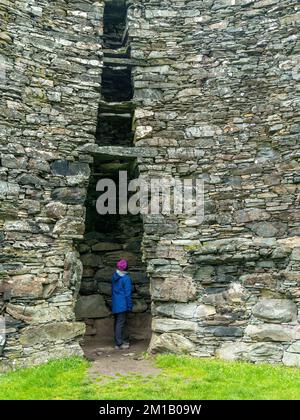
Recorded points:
111,237
114,24
115,124
116,109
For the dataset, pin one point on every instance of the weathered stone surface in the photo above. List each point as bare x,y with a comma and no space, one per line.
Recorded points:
250,352
139,306
233,351
261,352
250,215
73,270
53,332
233,297
164,325
24,286
295,256
173,289
291,356
65,168
69,226
7,188
268,229
90,287
205,274
70,195
186,310
106,246
291,359
275,310
40,314
168,310
91,260
170,343
2,334
295,347
56,210
134,259
260,280
193,310
91,307
205,311
228,332
269,332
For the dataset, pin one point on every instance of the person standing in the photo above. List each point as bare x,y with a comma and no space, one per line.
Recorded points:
121,290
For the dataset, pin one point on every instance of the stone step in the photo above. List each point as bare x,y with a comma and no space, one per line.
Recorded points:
111,152
115,114
122,52
116,107
121,61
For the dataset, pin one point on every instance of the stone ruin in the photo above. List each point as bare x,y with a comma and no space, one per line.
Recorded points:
179,88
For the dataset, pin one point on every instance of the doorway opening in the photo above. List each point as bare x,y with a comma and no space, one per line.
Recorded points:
107,239
111,237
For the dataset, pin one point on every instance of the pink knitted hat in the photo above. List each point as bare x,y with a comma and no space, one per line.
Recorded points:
122,265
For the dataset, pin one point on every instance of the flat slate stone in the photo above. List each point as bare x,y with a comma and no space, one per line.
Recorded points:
275,310
92,306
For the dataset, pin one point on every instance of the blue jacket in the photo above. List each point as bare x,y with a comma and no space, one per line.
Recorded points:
121,292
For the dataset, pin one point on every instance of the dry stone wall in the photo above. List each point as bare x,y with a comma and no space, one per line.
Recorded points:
51,63
218,99
215,89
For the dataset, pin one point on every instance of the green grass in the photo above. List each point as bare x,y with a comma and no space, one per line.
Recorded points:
181,377
57,380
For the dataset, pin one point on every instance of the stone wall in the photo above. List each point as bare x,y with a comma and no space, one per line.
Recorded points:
218,99
50,63
215,85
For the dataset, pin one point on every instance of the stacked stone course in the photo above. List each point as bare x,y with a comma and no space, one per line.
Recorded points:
51,64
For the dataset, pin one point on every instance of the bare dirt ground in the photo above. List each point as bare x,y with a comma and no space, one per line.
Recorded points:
106,361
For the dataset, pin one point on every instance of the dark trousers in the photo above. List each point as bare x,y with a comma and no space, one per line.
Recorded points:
120,327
